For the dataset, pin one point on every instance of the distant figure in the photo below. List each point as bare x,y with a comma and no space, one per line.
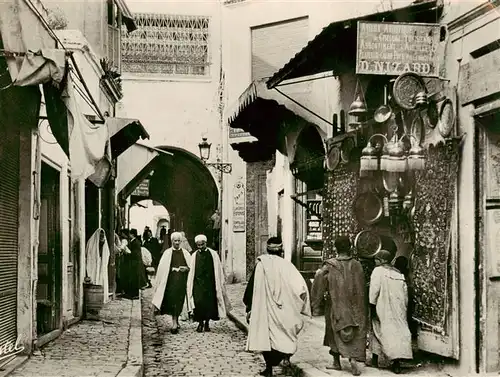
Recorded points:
216,225
132,275
389,308
171,281
185,243
206,288
340,286
276,297
152,244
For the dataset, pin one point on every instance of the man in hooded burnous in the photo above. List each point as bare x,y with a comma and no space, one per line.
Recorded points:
340,286
389,304
205,288
171,281
276,298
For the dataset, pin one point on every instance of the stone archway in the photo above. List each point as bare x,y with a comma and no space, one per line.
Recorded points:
187,188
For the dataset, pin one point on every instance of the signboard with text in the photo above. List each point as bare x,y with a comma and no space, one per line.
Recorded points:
239,207
237,132
142,189
391,48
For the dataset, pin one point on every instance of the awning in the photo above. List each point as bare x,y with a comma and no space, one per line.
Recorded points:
266,113
127,16
334,49
134,165
124,133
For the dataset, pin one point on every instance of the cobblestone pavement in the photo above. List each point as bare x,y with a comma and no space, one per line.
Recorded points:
89,348
311,351
188,353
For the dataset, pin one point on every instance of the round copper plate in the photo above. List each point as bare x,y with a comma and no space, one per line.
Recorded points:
446,118
346,149
332,158
367,243
368,208
405,88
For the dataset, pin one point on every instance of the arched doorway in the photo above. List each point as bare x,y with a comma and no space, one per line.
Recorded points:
186,187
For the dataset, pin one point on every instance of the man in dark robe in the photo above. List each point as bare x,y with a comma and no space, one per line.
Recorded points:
206,285
152,244
133,271
340,286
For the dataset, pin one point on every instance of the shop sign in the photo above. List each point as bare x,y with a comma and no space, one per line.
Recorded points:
237,132
391,48
239,207
142,189
10,349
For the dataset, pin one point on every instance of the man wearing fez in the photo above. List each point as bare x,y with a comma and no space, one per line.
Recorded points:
205,286
276,297
340,286
391,335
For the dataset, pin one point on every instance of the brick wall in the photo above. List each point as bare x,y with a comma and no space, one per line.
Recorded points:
254,170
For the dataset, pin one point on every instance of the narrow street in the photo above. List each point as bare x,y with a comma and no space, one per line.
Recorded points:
188,353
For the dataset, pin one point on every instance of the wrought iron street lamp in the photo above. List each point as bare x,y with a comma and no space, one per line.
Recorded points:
205,146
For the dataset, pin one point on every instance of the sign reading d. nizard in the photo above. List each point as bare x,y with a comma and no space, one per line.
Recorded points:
388,48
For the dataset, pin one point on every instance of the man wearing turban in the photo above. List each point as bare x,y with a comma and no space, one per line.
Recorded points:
276,297
205,286
340,286
171,279
389,303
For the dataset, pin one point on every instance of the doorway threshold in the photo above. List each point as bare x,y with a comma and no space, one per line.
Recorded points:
46,338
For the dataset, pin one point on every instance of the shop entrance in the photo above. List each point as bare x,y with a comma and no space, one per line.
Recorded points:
48,296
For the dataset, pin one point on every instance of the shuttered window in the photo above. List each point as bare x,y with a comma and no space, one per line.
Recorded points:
9,225
273,45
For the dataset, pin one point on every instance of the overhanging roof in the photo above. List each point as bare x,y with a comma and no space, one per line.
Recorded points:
134,165
124,133
264,113
334,49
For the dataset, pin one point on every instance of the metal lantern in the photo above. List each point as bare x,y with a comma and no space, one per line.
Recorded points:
394,157
204,149
357,112
416,158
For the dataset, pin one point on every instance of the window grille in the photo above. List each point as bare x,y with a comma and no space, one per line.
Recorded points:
167,44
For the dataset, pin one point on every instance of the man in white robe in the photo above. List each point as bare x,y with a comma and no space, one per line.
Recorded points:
389,302
171,279
276,299
206,285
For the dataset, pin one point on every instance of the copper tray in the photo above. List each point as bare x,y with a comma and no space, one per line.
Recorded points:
405,88
368,208
367,243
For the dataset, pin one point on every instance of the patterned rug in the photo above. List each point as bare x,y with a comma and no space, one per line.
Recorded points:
434,206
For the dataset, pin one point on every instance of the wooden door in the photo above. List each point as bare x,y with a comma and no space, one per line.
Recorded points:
49,254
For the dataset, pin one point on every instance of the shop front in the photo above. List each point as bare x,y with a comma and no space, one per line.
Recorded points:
284,152
399,166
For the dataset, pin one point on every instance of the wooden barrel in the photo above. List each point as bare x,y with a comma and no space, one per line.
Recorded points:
93,297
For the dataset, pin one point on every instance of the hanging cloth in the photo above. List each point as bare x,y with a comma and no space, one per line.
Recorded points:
97,261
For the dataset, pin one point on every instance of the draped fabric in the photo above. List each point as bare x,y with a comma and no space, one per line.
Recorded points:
97,258
279,301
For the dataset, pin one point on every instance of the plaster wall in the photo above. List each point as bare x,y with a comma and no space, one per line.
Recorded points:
464,38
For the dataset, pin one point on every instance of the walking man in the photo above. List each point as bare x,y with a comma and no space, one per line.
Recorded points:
171,280
389,304
205,287
340,286
276,297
